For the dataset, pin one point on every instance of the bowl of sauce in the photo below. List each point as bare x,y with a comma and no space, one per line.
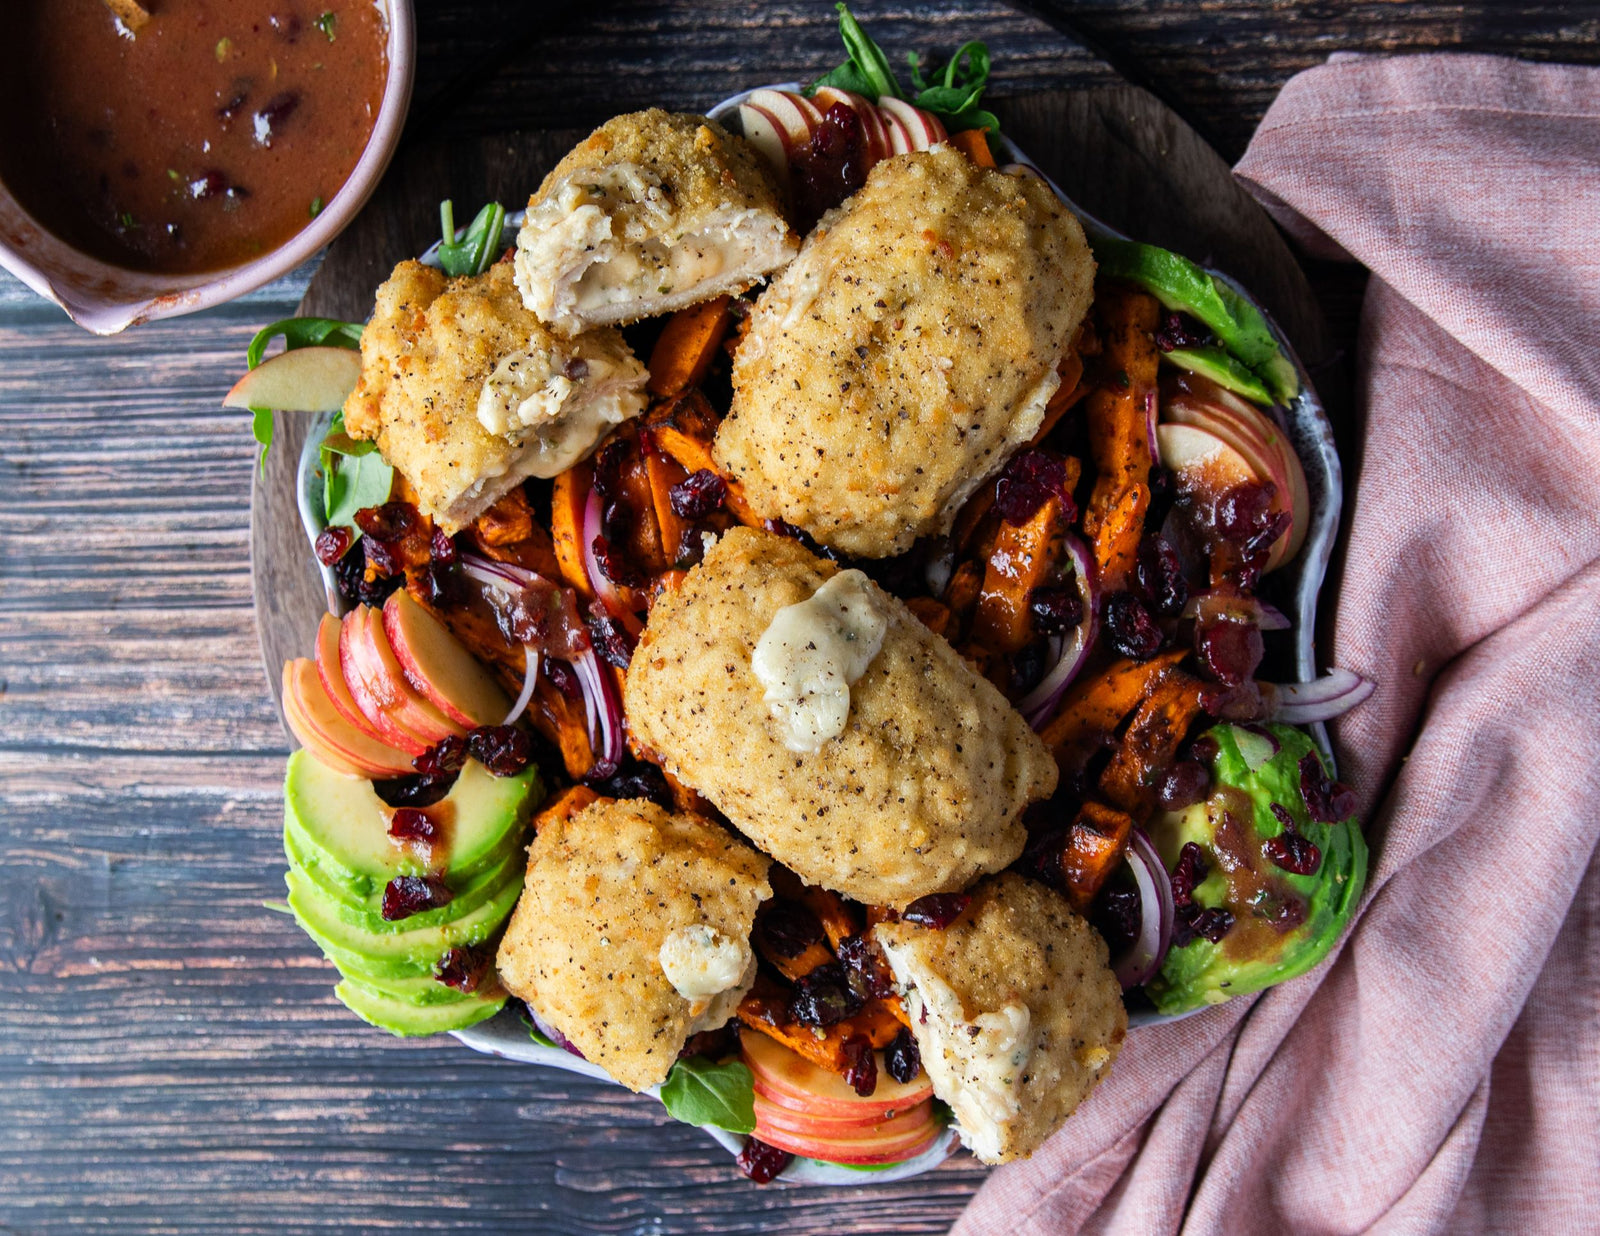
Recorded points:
161,156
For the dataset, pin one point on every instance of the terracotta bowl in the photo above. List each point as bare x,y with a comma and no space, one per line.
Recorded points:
106,299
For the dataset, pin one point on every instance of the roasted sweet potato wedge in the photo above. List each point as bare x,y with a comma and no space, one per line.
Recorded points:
1098,704
686,347
1150,742
1094,847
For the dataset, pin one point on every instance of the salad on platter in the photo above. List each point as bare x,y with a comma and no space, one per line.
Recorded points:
798,599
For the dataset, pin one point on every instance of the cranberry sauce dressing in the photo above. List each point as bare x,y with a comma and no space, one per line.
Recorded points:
1273,908
211,136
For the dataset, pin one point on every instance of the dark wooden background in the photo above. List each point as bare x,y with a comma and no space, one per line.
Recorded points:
171,1057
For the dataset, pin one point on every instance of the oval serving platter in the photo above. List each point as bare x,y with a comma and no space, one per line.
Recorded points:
507,1034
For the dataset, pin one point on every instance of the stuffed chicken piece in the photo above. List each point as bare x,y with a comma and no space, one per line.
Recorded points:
633,932
653,212
1014,1009
906,353
830,726
467,393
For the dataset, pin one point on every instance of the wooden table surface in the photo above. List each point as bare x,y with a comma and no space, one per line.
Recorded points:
171,1056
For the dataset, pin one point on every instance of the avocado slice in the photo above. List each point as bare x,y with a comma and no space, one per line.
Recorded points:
346,821
1179,284
413,949
1284,923
361,902
403,1018
1222,369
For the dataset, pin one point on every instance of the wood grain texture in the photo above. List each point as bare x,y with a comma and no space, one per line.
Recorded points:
171,1056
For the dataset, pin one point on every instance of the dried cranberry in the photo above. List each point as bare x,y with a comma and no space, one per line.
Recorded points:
698,494
503,749
902,1059
1130,628
1117,915
442,548
443,585
462,968
1190,871
1055,608
868,974
332,544
446,756
611,638
1028,481
271,117
1026,667
422,791
404,896
1229,651
1327,801
860,1064
614,566
1294,852
1158,574
1204,748
388,522
350,575
413,824
788,929
1212,924
760,1162
830,167
1243,516
638,780
823,997
784,528
1179,330
1182,785
937,910
560,676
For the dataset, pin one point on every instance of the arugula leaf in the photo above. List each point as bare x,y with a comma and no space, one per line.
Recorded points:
867,70
699,1092
355,483
954,92
479,244
297,333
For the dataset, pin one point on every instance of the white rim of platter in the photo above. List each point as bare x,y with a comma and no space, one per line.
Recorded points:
507,1033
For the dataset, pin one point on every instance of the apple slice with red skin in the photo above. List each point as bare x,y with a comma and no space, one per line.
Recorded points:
859,1151
869,1122
762,130
795,1082
324,732
437,664
328,669
316,379
797,117
923,129
1207,467
873,129
414,711
1263,460
375,693
899,135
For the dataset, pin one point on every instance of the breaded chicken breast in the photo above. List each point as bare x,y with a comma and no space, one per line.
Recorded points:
653,212
468,394
908,350
923,788
1014,1010
633,932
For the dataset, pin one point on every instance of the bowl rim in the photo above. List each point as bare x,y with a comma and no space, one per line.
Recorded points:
106,298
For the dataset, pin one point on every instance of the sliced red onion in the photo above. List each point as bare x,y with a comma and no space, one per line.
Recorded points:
1039,705
551,1033
1245,608
1152,417
495,574
1271,618
1156,914
604,711
530,678
1332,695
603,587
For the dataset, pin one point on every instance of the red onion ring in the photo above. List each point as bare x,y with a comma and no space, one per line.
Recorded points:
604,589
530,678
551,1033
1247,608
1039,705
1332,695
604,712
1157,913
1152,417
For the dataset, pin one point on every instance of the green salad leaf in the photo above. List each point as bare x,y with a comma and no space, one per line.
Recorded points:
296,333
479,245
354,477
867,70
700,1092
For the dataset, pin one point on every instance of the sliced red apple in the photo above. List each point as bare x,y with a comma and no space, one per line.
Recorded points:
324,732
793,1081
314,379
797,117
437,664
762,130
904,1143
1207,467
868,1122
374,693
333,677
414,711
899,135
1263,460
873,129
923,129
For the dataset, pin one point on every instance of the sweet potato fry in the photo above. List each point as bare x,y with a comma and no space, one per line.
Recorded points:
686,347
566,804
962,592
1098,704
1095,843
1117,536
1024,557
695,455
766,1009
567,499
973,144
1071,391
644,543
664,472
563,723
1150,742
935,615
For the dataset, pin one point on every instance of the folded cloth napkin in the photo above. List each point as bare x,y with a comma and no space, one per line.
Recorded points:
1442,1071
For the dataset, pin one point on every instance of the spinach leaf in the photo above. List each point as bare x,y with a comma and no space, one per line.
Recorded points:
954,91
354,483
699,1092
867,70
479,244
297,333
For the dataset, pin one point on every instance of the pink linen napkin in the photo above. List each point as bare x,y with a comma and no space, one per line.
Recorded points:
1442,1071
